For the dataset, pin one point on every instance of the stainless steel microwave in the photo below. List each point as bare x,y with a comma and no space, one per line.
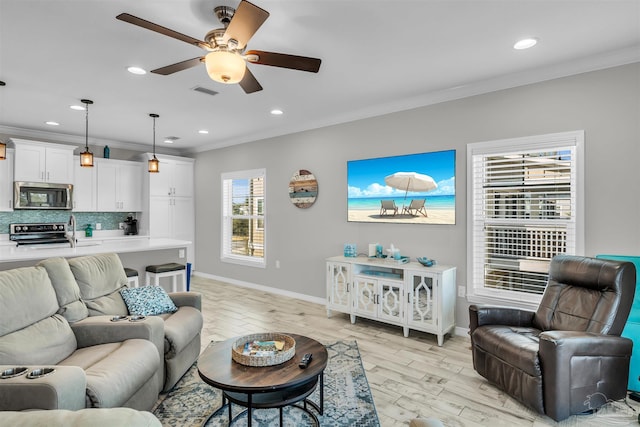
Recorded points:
42,195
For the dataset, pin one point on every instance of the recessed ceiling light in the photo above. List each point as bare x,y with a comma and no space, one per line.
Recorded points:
136,70
277,112
50,123
203,131
77,107
168,141
525,43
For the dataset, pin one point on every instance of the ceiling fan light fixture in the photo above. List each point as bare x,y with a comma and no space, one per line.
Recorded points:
225,67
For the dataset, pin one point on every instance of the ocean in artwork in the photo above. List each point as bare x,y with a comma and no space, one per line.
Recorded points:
372,203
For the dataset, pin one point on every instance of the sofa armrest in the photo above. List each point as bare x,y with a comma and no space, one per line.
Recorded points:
480,315
63,389
96,330
192,299
582,370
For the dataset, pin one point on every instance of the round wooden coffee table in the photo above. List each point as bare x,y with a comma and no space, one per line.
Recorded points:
269,386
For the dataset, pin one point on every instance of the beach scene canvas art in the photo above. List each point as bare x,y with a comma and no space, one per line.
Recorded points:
412,189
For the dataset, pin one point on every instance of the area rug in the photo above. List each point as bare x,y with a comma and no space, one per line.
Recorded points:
347,398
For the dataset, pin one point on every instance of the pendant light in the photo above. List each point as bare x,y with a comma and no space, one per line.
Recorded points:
154,164
86,157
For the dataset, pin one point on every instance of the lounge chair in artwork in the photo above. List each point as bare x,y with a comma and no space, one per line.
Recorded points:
388,207
415,207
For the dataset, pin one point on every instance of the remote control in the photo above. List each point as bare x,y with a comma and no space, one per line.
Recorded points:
304,362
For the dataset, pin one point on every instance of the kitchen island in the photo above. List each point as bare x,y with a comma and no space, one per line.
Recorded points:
135,251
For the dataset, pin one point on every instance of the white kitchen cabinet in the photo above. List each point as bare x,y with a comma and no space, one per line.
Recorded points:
174,179
43,162
119,185
6,182
172,217
169,194
84,187
407,295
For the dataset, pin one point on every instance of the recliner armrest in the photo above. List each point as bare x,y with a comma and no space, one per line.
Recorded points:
63,389
96,330
480,315
191,299
578,365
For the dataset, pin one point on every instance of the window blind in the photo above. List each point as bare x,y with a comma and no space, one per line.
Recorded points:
524,206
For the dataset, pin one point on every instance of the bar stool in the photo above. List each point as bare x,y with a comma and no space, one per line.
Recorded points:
132,277
172,269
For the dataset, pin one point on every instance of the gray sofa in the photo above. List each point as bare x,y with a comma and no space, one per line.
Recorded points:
115,365
58,314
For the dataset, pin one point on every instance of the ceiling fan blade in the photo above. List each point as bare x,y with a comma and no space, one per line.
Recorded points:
294,62
245,22
160,29
174,68
249,83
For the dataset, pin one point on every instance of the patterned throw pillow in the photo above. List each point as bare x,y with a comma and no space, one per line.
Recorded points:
147,301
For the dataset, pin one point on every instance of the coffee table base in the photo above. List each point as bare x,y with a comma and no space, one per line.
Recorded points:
275,399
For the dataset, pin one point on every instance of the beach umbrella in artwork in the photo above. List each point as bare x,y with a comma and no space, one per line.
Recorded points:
410,181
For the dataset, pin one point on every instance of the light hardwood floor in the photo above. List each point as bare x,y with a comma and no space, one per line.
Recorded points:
409,377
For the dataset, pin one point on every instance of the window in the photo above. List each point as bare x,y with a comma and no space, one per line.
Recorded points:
525,205
243,217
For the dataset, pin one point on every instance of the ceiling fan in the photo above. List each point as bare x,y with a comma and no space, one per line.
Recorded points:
226,58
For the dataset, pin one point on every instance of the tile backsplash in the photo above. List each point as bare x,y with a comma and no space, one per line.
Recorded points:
108,220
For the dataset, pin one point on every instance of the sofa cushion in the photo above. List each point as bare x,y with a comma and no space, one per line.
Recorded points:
95,417
21,288
115,371
45,342
100,278
147,301
67,291
516,346
30,329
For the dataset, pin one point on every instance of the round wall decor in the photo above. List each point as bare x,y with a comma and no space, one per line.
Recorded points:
303,189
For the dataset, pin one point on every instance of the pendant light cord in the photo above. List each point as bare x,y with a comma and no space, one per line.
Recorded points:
86,127
154,136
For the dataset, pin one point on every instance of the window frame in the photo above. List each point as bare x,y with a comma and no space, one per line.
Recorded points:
227,219
477,292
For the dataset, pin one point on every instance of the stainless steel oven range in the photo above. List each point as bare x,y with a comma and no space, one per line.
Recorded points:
38,234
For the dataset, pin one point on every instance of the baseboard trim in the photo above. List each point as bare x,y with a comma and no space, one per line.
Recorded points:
464,332
264,288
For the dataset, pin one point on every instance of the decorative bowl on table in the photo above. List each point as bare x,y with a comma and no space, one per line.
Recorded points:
266,349
427,262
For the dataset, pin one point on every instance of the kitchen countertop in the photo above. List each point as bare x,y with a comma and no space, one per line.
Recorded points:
88,246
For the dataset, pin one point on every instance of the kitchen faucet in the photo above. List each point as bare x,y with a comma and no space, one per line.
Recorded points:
72,223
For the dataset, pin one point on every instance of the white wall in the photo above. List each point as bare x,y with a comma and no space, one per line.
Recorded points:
606,104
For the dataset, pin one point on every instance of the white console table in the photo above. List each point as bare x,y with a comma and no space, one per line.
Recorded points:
408,295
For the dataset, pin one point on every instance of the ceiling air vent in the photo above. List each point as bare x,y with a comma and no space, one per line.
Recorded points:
205,90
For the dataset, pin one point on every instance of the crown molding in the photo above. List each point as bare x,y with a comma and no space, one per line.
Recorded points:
62,138
575,66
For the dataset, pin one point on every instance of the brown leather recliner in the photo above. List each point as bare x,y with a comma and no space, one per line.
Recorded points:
567,357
